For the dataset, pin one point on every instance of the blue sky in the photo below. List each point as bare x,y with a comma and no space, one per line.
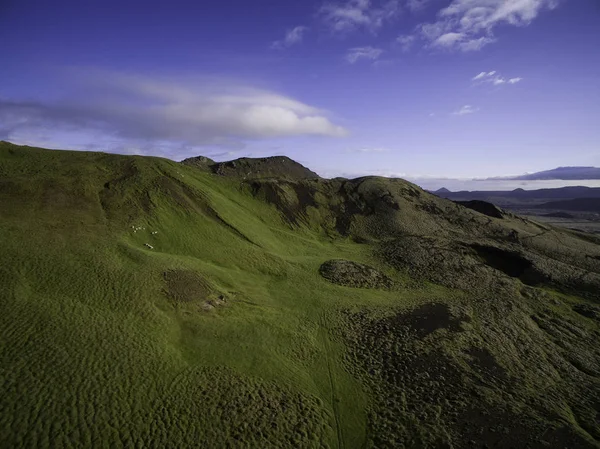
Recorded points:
411,88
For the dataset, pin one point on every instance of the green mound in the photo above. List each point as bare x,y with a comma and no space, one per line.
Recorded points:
150,303
353,274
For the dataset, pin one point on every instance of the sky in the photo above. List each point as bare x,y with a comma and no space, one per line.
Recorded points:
420,89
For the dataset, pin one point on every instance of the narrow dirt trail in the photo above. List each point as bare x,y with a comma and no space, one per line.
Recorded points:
334,402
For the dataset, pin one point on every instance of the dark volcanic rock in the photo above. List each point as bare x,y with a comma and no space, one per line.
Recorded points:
483,207
353,274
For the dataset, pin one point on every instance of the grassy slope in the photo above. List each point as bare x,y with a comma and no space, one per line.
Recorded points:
90,345
95,350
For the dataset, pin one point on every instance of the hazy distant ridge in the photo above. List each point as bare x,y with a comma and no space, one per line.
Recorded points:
562,173
540,194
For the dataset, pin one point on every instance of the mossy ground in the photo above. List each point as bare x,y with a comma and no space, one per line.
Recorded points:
104,342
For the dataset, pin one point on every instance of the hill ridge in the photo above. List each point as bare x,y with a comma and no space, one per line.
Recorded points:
255,167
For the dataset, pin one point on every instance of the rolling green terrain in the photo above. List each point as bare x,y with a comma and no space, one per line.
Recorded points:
150,303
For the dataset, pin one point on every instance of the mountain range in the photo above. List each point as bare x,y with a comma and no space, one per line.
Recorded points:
562,173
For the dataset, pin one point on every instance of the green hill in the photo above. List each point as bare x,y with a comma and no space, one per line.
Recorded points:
150,303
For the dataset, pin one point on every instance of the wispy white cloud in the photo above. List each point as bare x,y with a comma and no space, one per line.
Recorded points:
292,37
483,15
370,53
430,31
448,39
482,75
352,15
475,44
494,78
465,110
417,5
468,25
460,41
191,112
380,63
405,42
371,150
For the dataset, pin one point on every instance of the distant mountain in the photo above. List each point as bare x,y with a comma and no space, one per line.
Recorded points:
442,190
541,195
563,173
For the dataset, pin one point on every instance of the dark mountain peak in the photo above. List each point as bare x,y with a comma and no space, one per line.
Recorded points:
260,167
443,190
201,162
268,159
265,167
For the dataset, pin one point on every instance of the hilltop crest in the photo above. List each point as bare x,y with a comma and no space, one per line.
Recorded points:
281,167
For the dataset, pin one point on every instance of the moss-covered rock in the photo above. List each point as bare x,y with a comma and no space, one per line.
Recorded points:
353,274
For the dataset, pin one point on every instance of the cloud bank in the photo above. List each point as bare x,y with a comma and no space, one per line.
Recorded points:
199,112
